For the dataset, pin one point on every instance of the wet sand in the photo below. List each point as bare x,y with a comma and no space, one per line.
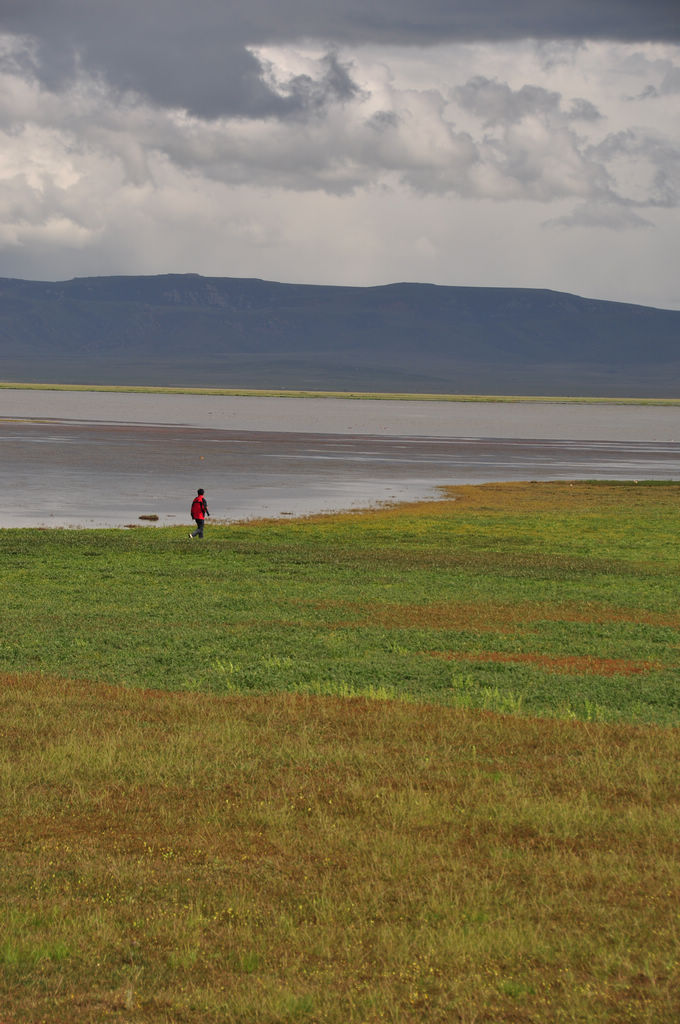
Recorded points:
85,474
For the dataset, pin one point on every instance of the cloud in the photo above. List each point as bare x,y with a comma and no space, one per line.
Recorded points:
646,167
351,123
669,84
583,110
359,129
200,58
323,82
610,216
497,103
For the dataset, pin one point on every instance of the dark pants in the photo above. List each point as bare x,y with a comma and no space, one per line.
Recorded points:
198,532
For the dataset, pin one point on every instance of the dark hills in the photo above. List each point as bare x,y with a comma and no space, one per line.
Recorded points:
230,332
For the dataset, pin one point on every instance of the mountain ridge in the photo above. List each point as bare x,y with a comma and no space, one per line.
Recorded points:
173,329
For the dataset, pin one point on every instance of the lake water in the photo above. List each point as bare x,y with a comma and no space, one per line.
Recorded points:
103,459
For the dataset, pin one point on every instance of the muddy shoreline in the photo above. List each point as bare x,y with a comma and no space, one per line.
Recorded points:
84,474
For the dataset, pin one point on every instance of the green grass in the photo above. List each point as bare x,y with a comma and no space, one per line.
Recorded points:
549,599
375,395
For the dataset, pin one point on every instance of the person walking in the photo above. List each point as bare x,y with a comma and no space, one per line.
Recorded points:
199,510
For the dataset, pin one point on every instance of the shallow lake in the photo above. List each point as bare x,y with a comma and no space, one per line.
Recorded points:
104,459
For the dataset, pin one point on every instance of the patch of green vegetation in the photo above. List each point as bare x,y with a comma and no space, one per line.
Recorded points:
540,599
373,395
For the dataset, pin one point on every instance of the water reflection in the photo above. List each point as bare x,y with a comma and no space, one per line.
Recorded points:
101,474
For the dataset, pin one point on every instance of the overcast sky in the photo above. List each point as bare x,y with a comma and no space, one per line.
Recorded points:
532,143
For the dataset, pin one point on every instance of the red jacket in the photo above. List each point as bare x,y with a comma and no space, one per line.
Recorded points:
199,507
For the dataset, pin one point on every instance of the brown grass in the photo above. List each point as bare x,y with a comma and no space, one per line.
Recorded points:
572,664
181,858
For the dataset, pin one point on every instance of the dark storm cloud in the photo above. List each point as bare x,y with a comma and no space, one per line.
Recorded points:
195,55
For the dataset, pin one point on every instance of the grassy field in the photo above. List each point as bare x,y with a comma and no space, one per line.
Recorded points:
181,858
214,811
550,599
375,395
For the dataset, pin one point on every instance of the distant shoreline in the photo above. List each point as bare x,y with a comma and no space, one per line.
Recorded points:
358,395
